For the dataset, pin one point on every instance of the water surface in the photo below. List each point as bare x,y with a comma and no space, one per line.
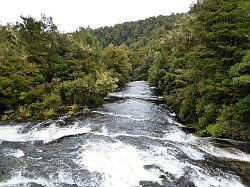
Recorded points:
132,140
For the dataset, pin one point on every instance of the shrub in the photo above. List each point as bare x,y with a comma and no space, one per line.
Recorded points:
24,112
85,110
48,113
215,130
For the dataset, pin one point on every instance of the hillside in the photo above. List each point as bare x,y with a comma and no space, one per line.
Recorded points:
130,32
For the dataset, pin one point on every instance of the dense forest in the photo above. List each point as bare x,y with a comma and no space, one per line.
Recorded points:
199,61
45,72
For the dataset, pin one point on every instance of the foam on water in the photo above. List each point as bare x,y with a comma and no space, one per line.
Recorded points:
166,159
46,134
18,153
189,144
206,180
120,115
135,117
177,135
105,132
229,153
124,165
11,133
192,153
172,114
120,164
55,179
18,180
63,177
143,97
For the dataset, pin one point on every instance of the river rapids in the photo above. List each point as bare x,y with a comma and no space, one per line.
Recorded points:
132,140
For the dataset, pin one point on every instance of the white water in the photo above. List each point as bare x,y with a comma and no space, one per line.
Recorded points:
46,134
54,132
18,153
177,135
120,163
123,165
146,97
229,153
55,179
18,180
122,116
125,143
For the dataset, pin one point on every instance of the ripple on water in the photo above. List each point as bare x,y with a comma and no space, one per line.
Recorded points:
125,165
121,164
230,153
131,140
45,134
18,153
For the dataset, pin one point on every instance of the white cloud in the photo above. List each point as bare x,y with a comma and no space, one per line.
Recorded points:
70,14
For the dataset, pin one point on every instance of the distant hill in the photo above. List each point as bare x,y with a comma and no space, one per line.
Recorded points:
131,32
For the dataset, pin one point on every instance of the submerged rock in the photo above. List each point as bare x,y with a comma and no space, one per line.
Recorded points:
32,184
184,181
4,173
149,184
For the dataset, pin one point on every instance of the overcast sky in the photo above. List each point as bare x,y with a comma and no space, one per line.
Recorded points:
70,14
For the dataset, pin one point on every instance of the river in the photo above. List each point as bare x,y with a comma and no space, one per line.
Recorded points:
131,140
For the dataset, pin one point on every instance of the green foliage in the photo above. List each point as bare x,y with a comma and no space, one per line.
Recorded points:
73,109
48,113
105,83
24,112
78,90
131,32
52,100
200,62
85,110
43,71
235,119
117,61
239,69
216,130
188,101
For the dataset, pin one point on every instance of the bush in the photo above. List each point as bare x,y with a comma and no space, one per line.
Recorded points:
5,117
216,130
85,110
24,113
52,101
48,113
79,90
235,119
105,83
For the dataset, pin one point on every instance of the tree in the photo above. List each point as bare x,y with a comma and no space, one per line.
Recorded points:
117,61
